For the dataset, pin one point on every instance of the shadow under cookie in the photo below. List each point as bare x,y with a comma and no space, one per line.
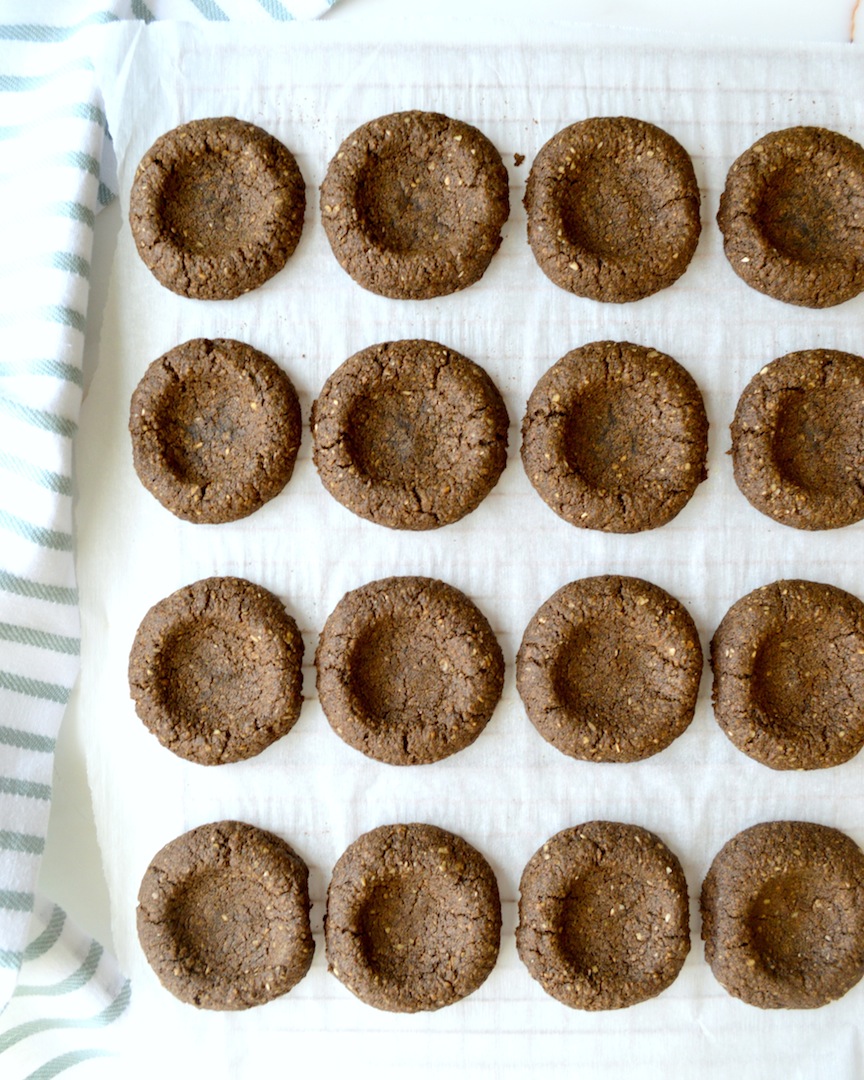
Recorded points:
409,434
798,439
791,216
603,916
615,437
613,209
409,670
609,669
788,663
215,671
215,428
413,204
413,918
783,915
216,208
223,916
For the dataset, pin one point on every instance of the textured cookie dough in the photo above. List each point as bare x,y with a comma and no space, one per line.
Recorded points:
798,439
409,434
792,217
609,669
783,915
413,204
615,437
216,208
409,670
215,429
223,916
613,209
413,918
788,664
604,920
215,670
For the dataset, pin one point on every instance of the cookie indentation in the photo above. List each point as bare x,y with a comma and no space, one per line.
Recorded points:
409,670
409,434
613,209
215,429
223,916
215,671
603,916
216,208
791,216
413,918
798,439
413,204
615,437
788,662
609,669
783,915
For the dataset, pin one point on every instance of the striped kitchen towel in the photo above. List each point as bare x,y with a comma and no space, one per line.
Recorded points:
52,184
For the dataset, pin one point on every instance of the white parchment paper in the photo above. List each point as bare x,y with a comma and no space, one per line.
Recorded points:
510,791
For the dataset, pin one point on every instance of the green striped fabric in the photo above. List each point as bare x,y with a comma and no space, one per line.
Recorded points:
62,992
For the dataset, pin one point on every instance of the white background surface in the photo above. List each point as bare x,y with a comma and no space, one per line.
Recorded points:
72,854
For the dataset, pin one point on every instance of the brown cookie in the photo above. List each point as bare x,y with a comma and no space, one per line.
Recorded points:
791,216
216,208
788,664
409,434
413,204
413,918
223,916
613,209
409,670
609,669
604,920
215,670
215,429
798,439
783,915
615,437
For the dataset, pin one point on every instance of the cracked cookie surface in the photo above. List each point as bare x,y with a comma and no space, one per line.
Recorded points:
223,916
216,208
609,669
413,918
604,920
409,434
783,915
215,670
798,439
792,216
788,663
615,437
215,428
409,670
613,209
413,204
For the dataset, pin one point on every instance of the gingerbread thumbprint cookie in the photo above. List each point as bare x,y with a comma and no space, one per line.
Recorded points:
613,209
215,670
609,669
615,437
413,918
788,662
783,915
791,216
604,921
413,204
216,208
409,670
215,428
409,434
223,916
